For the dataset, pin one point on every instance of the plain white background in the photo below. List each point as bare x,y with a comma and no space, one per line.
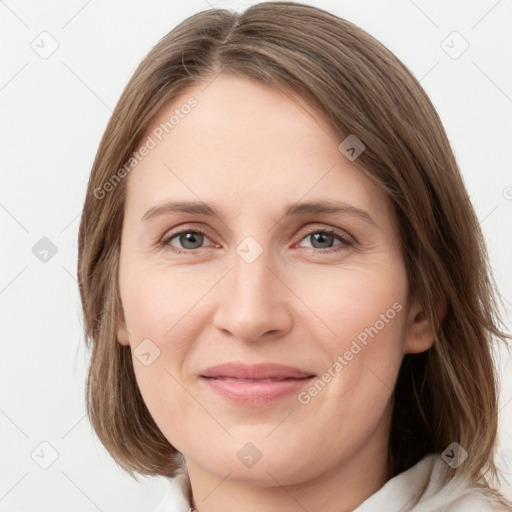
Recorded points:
55,109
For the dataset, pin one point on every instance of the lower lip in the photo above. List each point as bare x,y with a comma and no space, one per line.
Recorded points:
256,392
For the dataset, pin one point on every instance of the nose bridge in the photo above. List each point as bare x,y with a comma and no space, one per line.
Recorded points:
252,275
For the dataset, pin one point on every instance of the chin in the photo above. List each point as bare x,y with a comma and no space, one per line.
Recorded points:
258,463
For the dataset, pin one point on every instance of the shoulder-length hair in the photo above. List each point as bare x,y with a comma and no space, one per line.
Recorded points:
447,393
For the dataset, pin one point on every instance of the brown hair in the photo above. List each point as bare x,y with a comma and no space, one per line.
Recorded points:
446,394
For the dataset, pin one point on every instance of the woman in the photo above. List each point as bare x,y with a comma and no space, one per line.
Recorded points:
284,282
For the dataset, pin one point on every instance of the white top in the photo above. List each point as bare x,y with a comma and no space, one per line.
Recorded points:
422,488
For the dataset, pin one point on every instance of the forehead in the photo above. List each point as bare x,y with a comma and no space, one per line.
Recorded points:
240,143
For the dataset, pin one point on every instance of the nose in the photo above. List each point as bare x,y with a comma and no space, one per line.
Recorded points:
253,301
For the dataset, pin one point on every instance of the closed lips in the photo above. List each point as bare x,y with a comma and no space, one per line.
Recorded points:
255,385
264,372
235,379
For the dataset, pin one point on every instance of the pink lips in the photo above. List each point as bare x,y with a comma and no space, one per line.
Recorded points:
255,384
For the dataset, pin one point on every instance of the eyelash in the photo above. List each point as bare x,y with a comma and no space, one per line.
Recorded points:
345,239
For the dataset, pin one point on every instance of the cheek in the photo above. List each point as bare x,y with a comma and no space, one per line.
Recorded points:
172,408
335,305
354,303
360,335
164,318
159,300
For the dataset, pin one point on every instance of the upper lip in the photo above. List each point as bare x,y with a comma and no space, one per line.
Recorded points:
256,371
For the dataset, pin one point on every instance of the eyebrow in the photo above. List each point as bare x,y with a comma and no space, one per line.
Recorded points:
295,210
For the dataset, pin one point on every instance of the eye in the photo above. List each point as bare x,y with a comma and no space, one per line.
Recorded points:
322,240
186,240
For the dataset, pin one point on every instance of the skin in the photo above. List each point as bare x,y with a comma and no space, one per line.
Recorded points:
252,151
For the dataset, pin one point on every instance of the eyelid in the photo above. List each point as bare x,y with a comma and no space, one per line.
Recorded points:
310,229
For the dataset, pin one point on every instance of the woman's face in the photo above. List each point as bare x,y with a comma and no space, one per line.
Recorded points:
262,282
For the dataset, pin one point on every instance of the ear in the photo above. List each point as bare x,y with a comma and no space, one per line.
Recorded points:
123,336
420,333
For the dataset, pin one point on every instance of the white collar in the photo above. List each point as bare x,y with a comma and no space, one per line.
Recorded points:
176,497
425,487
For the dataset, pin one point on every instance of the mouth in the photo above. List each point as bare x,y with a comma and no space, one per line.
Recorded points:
256,384
262,371
234,379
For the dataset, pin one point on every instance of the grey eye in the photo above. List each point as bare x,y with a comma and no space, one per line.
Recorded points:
188,240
